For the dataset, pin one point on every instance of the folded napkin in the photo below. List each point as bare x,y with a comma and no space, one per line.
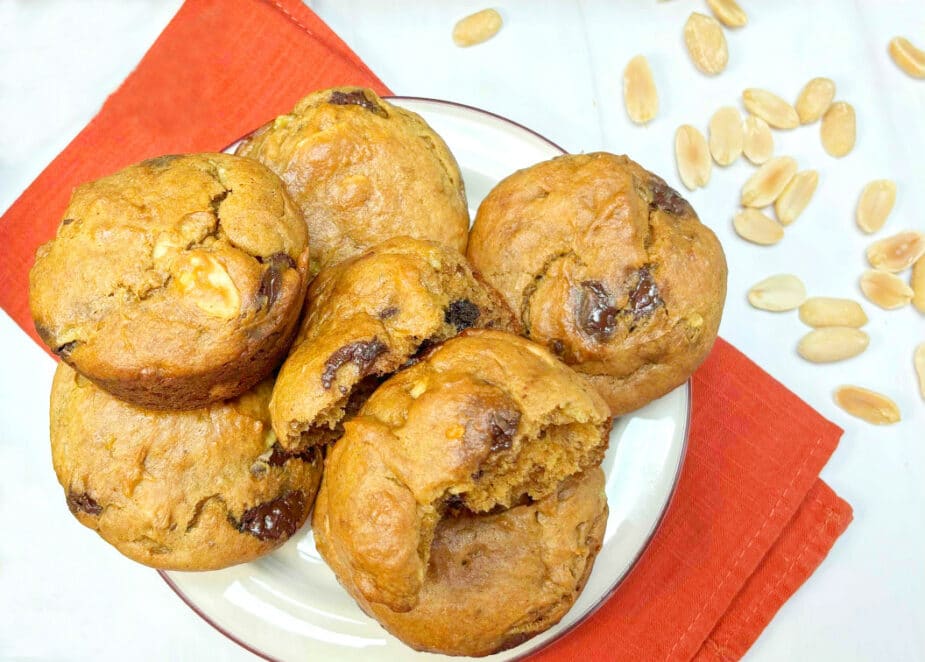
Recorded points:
750,520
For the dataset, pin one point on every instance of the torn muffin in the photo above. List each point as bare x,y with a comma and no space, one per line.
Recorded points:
489,446
176,282
609,267
366,317
185,490
363,171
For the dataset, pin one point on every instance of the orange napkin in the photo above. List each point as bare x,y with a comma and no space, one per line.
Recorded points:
750,520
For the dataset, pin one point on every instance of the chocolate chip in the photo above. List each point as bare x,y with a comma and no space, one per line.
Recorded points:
462,314
596,315
356,98
386,313
83,502
644,298
502,424
361,353
64,351
667,199
280,455
67,221
273,520
216,201
557,347
272,280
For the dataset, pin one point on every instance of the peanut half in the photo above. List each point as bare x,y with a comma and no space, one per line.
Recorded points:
815,98
828,311
771,108
886,290
778,293
639,93
768,182
795,196
832,343
838,130
875,204
907,57
693,157
897,253
867,405
918,358
726,135
728,12
476,28
758,143
706,43
918,284
753,226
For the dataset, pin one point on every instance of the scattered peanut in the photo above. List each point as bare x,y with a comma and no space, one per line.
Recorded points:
726,135
758,144
768,182
693,157
476,28
875,204
907,57
795,196
918,358
867,405
753,226
918,284
819,312
778,293
639,93
885,289
832,343
706,43
728,12
771,108
838,129
815,98
897,253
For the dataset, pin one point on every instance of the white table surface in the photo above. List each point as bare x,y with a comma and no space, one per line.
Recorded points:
555,67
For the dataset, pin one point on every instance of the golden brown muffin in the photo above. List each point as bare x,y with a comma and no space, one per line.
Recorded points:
484,421
363,171
494,581
608,267
190,490
366,317
176,282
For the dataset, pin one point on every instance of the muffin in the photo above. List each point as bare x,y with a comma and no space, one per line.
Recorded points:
366,317
176,282
487,422
363,171
190,490
607,266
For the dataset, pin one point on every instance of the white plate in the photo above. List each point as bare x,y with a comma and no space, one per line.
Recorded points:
289,606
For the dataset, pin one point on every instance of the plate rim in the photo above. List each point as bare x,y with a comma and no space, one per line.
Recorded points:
685,438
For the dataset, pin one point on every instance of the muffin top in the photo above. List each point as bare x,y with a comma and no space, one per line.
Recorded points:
609,267
190,490
363,170
175,266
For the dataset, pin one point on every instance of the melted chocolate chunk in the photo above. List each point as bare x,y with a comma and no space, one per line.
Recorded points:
67,221
596,315
356,98
216,201
64,351
386,313
280,455
462,314
667,199
644,298
84,502
160,161
273,520
271,283
557,347
502,424
361,353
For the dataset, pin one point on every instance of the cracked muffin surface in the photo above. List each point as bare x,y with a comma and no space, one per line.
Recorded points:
366,317
186,490
175,282
363,170
485,423
607,266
